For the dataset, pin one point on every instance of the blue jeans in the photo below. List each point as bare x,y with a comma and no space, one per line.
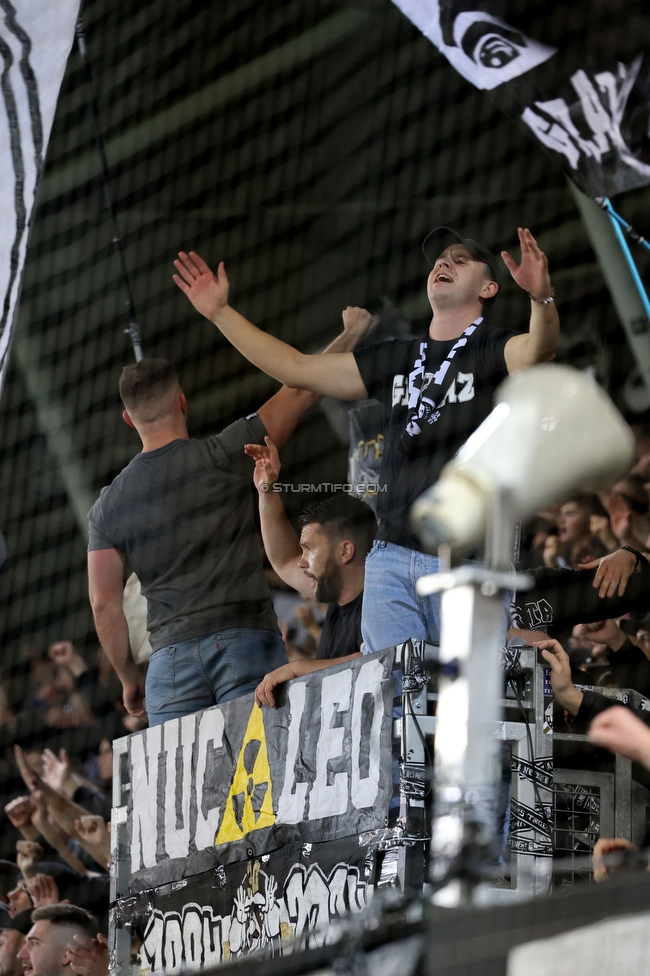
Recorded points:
194,674
392,610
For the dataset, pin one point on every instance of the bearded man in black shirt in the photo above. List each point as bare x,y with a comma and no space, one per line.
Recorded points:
435,392
327,563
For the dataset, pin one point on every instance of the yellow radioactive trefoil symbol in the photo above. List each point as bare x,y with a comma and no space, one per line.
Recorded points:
250,801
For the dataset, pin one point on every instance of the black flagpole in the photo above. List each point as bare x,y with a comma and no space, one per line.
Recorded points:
133,330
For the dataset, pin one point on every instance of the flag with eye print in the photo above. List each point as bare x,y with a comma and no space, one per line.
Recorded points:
575,75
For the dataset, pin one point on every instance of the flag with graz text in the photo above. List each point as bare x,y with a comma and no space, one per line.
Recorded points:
575,75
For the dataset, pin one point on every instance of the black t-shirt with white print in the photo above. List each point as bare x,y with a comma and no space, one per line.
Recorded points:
470,383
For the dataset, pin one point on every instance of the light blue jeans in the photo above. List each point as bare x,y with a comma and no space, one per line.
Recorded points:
392,610
194,674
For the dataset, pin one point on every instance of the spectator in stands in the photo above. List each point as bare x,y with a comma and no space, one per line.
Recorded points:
610,726
618,583
58,773
628,507
47,947
104,767
575,543
435,390
600,527
19,811
584,706
67,814
327,563
300,623
181,514
19,899
627,655
306,617
99,685
11,942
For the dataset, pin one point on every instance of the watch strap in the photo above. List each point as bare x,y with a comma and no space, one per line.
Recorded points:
640,558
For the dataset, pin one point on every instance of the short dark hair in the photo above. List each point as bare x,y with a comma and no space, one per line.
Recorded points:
68,915
588,502
145,382
343,516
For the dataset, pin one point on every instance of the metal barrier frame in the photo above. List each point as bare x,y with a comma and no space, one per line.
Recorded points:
624,805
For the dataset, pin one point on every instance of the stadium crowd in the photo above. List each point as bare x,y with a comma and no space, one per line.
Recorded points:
182,516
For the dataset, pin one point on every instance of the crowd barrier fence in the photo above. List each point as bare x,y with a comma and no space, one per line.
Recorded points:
241,830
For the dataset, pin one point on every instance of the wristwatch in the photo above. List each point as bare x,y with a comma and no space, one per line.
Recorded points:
542,301
640,558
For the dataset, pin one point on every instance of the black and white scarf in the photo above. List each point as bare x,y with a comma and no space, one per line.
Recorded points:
424,411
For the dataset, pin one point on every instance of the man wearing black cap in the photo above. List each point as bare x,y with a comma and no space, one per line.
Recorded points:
435,391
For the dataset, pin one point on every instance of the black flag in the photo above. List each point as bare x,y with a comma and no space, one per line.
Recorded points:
575,75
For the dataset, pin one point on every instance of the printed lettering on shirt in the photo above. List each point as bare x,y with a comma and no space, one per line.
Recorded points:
450,396
400,395
467,392
462,393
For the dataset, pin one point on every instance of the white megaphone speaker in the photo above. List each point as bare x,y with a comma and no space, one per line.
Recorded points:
552,432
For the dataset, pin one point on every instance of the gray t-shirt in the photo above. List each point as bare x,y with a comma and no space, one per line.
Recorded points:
184,517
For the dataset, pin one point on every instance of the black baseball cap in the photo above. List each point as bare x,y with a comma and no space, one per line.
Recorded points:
443,237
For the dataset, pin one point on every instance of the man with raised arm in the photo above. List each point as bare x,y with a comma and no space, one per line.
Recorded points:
327,563
181,515
435,391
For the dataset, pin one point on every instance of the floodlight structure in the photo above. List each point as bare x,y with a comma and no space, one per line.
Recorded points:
552,432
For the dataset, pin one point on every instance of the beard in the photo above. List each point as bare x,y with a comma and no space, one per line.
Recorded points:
330,584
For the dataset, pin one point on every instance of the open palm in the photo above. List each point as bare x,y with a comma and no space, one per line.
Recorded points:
532,274
267,463
207,291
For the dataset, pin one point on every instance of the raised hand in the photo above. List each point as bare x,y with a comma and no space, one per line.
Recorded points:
39,810
88,957
19,812
28,855
57,772
207,291
44,890
93,833
31,779
356,321
532,274
92,829
64,652
267,464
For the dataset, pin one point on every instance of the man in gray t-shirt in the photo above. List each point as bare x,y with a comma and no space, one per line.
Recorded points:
181,516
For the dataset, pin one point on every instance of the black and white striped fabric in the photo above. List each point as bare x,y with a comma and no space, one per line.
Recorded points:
35,41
